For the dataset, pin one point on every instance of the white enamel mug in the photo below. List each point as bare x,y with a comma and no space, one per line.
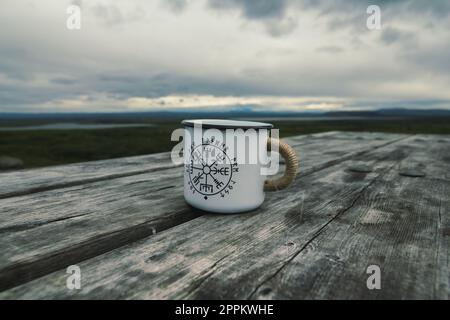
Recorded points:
226,162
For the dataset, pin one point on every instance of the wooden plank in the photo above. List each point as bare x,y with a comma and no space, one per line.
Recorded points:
181,262
318,267
400,233
69,225
399,223
24,182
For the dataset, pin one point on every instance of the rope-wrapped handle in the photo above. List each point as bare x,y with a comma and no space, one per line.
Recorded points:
292,162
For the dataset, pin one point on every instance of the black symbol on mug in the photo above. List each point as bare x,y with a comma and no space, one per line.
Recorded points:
210,169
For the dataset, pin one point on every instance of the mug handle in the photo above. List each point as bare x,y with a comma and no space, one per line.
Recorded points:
290,156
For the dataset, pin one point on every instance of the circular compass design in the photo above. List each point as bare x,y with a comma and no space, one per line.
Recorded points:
210,169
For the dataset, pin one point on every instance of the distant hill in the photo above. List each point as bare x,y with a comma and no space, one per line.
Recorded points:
398,112
238,112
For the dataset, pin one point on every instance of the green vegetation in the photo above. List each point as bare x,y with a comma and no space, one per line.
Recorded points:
410,126
53,147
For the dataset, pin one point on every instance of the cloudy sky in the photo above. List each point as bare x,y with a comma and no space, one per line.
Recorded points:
275,54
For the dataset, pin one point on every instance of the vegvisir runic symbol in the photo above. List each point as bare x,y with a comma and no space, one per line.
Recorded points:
211,169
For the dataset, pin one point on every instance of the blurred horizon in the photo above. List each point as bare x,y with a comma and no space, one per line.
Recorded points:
88,80
235,111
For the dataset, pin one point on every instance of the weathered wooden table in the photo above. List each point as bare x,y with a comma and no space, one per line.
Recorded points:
361,199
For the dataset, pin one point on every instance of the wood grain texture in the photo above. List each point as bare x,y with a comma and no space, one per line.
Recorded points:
396,223
71,224
330,225
360,200
24,182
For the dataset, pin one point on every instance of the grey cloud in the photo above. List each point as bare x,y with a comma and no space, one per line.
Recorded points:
121,87
433,60
341,13
437,7
110,14
392,35
63,81
330,49
11,63
175,5
77,3
113,15
163,84
271,13
264,9
251,9
23,94
263,69
136,85
278,28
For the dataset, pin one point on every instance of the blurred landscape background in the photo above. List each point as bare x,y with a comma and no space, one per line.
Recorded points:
44,140
88,80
